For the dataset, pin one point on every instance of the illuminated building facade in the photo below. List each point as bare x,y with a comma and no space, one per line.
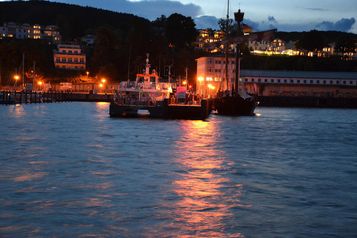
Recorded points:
27,31
69,56
211,75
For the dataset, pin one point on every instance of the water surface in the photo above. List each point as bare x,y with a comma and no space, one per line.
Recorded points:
68,170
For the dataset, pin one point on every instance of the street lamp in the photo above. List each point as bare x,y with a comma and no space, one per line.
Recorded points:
40,84
210,87
200,80
16,77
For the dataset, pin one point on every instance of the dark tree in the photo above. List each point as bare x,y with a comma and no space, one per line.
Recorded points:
311,41
345,44
180,31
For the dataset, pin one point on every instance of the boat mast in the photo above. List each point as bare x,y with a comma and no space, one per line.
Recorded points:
239,18
226,46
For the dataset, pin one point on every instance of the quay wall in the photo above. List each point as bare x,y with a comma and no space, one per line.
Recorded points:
271,90
13,97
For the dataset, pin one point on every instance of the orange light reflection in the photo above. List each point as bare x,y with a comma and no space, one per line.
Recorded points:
203,205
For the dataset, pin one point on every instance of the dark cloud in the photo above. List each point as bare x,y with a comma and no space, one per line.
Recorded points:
206,22
344,24
147,9
272,19
253,24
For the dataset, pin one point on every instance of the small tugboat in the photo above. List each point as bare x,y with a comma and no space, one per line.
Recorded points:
235,102
148,97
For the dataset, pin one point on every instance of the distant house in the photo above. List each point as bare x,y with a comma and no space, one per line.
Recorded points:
69,56
27,31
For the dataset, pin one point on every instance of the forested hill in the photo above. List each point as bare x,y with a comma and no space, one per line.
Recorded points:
121,40
328,36
73,21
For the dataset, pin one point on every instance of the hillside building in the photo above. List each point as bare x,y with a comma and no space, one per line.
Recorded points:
69,56
27,31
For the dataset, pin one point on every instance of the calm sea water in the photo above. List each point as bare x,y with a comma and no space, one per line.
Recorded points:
68,170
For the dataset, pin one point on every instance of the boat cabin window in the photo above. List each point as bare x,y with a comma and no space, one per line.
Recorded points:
141,80
152,80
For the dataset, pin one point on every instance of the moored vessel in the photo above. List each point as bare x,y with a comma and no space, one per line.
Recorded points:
235,101
148,96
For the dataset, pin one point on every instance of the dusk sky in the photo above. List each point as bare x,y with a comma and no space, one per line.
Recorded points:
286,15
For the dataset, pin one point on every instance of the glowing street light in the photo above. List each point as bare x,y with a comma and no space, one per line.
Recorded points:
200,80
16,77
210,87
103,80
101,85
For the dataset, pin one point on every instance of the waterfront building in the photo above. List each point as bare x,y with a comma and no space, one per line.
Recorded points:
211,72
69,56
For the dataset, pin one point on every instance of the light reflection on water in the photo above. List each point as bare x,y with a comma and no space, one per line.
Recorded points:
68,170
202,205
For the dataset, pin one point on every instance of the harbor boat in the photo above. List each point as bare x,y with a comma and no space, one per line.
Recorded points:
234,101
148,96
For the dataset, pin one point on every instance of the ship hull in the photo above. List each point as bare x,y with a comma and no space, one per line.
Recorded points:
162,110
235,106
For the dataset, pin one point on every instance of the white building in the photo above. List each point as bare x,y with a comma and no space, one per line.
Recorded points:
27,31
69,56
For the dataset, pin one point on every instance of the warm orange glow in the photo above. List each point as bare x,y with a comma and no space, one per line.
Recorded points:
101,85
210,86
87,72
16,77
103,80
184,82
200,78
39,83
202,204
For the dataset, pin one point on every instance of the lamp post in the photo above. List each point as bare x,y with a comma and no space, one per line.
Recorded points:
40,85
200,81
16,77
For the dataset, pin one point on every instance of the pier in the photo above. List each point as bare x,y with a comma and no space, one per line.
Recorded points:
14,97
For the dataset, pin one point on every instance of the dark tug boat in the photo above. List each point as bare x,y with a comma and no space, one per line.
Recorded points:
235,102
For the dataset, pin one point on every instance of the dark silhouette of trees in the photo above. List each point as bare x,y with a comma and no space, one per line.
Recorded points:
180,31
345,44
311,41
